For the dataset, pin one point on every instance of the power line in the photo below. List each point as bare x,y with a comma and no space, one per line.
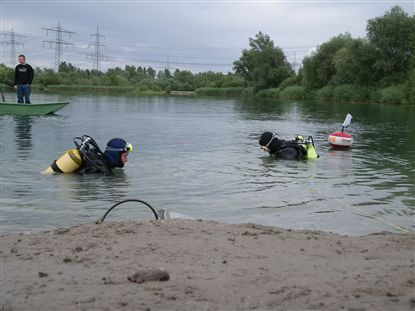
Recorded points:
158,61
13,43
196,63
58,42
97,57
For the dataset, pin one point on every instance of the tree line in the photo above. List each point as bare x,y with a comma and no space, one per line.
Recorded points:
139,79
379,67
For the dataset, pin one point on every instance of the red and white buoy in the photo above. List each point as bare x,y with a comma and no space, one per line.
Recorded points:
342,140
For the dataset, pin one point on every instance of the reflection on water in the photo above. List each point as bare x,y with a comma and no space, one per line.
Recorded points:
200,157
90,187
23,132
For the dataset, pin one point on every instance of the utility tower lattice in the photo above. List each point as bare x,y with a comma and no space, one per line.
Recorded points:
97,57
13,43
58,42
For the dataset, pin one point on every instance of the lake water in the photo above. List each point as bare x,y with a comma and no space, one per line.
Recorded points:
199,157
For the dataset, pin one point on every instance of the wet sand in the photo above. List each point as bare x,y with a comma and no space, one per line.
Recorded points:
203,265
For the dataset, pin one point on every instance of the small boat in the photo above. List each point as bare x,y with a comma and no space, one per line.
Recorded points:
30,109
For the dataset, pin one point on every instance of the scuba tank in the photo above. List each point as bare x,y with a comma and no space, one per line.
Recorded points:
73,159
69,162
308,146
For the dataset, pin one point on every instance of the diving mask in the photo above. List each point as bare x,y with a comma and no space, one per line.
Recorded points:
128,148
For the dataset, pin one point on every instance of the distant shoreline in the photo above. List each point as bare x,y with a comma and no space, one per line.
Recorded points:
204,265
342,93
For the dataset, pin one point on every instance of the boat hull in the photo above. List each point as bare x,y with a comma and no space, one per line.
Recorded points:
31,109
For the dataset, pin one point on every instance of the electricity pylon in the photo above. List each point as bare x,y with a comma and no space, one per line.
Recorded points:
58,42
13,43
97,57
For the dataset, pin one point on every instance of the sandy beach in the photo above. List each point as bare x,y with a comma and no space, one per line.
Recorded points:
204,265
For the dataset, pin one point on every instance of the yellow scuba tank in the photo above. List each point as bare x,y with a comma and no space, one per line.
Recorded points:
308,145
311,150
69,162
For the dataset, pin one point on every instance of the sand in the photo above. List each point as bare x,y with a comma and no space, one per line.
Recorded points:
204,265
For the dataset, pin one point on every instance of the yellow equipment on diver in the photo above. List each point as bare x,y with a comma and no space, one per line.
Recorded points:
69,162
311,152
308,145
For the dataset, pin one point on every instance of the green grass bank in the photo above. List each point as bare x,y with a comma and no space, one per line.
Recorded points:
401,94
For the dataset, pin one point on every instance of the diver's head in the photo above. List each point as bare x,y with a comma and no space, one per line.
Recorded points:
269,142
117,152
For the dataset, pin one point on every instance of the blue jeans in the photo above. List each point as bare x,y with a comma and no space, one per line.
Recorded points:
23,90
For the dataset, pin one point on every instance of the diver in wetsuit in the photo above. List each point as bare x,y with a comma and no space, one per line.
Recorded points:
297,149
96,161
88,157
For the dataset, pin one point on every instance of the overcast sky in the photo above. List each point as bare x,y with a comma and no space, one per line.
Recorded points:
191,35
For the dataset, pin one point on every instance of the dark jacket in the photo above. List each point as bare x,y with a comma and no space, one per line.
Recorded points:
23,74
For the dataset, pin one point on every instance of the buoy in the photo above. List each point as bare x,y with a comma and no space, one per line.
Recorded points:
342,140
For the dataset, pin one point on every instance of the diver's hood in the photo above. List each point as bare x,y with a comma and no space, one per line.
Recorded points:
115,147
271,141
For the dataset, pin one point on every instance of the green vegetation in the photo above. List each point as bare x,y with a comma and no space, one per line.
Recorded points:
228,91
130,80
378,68
272,92
263,65
294,91
391,95
91,88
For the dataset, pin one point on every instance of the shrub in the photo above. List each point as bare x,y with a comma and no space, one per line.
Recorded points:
156,88
232,81
269,93
409,88
392,95
248,91
294,92
325,92
227,91
375,95
348,92
361,93
293,80
90,88
344,92
140,89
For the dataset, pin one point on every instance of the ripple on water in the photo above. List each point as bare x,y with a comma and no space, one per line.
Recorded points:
200,157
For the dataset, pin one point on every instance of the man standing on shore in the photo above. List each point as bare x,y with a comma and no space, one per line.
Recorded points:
23,77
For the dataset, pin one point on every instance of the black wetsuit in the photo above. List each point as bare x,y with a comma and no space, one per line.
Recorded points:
290,150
